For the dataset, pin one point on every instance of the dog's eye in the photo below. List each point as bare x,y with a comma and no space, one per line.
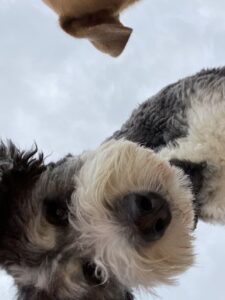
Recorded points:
56,212
129,296
92,275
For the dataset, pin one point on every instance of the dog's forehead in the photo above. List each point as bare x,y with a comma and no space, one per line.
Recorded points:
60,177
68,166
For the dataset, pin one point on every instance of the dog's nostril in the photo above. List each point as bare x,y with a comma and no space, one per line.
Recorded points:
143,203
159,225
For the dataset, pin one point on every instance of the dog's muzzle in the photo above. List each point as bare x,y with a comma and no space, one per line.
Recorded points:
149,213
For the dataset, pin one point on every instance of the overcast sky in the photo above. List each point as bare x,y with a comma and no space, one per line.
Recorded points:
66,96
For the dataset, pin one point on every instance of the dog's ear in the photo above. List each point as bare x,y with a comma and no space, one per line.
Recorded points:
18,171
193,170
19,167
105,32
95,20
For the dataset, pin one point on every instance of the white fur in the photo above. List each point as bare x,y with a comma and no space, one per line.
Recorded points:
114,170
206,142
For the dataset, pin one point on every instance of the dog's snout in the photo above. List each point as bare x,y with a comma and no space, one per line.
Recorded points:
150,213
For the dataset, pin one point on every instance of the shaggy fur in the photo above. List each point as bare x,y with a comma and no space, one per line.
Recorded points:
115,170
185,121
184,125
37,243
67,229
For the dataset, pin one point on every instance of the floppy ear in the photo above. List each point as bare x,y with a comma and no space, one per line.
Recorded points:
96,20
19,167
108,36
18,171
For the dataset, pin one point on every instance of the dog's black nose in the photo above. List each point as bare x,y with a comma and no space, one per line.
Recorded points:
150,213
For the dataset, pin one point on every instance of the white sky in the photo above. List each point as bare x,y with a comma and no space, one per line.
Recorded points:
66,96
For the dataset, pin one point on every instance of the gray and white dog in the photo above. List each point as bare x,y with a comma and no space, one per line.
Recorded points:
95,226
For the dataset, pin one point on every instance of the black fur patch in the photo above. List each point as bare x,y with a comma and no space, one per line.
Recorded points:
18,170
195,173
193,170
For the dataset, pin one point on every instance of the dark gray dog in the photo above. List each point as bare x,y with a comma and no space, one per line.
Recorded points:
95,226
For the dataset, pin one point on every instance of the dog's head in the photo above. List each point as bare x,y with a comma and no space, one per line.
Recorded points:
93,226
38,245
134,215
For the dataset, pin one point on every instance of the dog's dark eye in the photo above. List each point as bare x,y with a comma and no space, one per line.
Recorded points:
129,296
91,275
56,212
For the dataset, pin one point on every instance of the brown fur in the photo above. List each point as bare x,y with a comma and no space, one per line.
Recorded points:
96,20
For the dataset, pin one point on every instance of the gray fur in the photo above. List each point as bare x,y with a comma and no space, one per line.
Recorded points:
42,253
38,252
162,118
